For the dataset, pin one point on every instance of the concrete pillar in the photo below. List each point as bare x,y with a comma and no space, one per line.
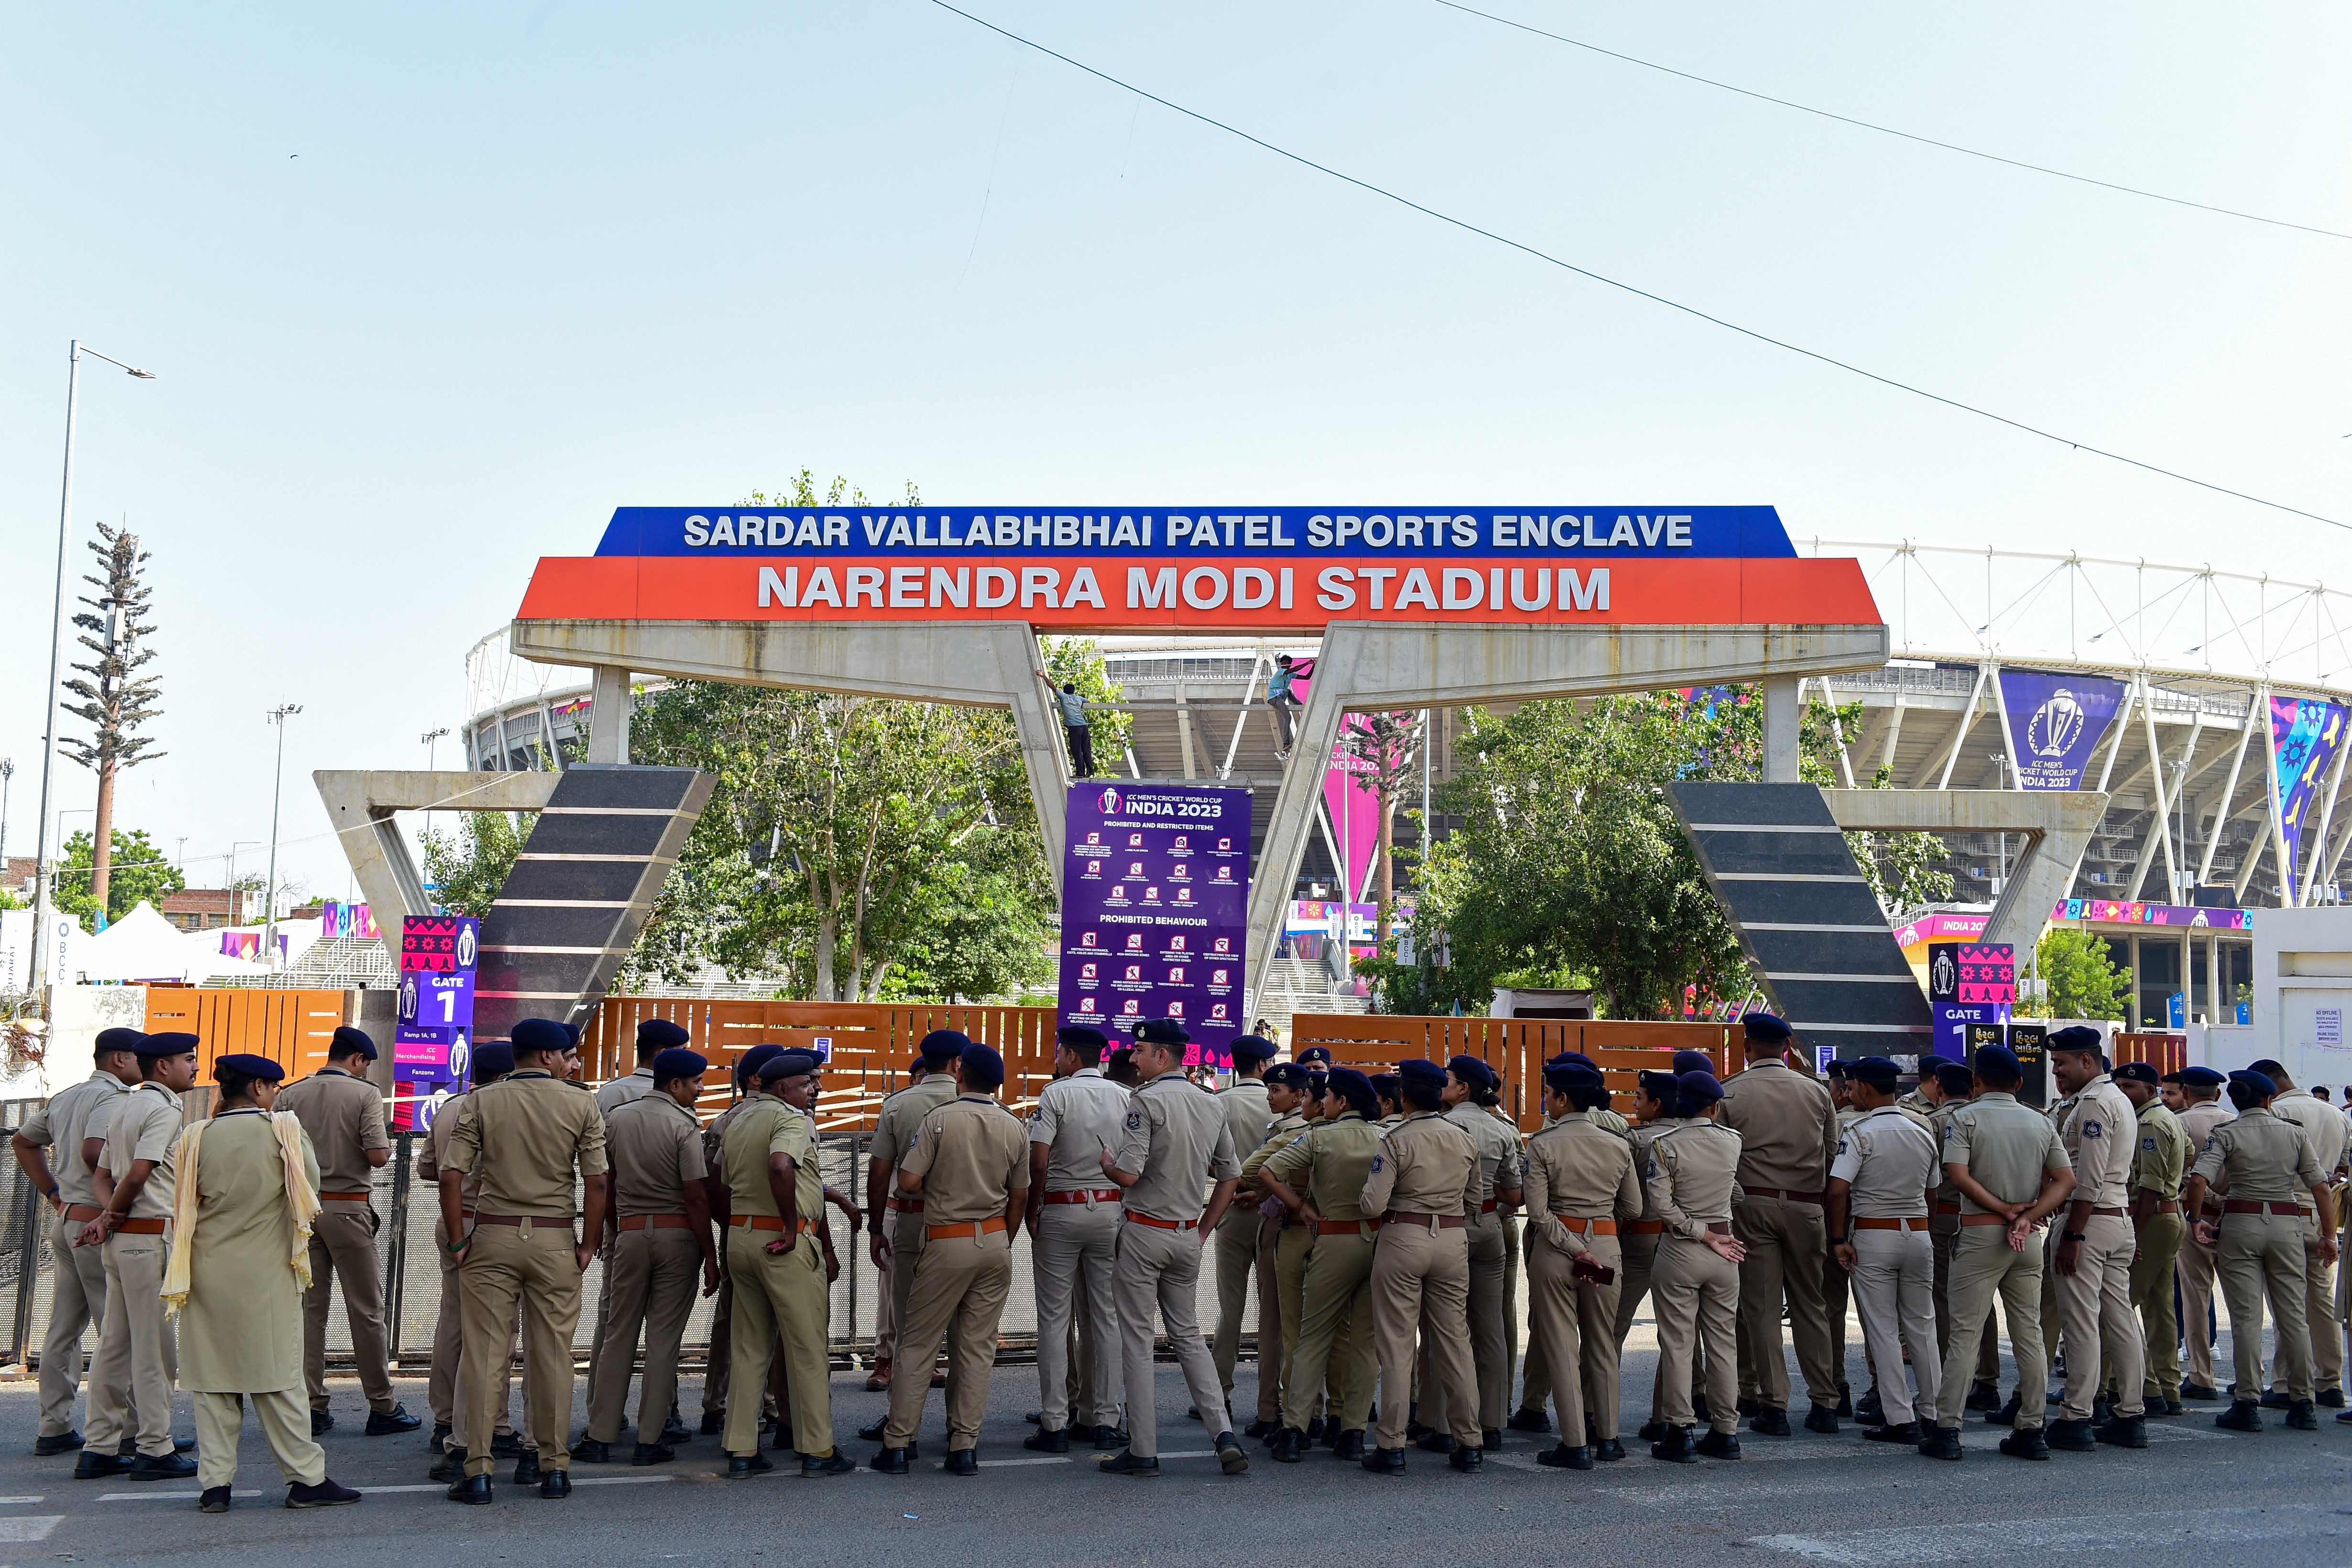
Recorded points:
1780,711
608,722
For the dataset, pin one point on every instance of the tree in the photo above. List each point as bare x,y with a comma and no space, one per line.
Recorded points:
1078,661
117,701
2079,977
466,868
142,876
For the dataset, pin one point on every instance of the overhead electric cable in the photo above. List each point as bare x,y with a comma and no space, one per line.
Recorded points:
1544,256
1891,130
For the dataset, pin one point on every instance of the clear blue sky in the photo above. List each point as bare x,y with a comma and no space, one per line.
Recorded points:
430,289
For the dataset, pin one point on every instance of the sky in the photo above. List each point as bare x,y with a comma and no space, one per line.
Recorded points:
428,289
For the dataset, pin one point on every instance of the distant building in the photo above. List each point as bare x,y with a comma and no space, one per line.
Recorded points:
208,909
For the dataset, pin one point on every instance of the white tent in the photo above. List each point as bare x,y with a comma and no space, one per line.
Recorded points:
143,945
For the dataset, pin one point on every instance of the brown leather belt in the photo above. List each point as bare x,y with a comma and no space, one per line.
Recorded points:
1345,1227
1645,1228
2249,1205
155,1226
904,1205
1099,1194
563,1220
2118,1214
1158,1224
1918,1223
1592,1226
1813,1199
766,1222
84,1211
1952,1207
1424,1221
974,1229
1719,1226
1487,1207
655,1222
1982,1219
342,1197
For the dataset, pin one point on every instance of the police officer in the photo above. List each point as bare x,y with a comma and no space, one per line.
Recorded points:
1836,1287
663,1233
746,1081
1280,1278
1074,1224
1657,1108
246,1180
969,1161
1472,1094
1954,1084
138,1356
492,1061
2093,1257
2204,1110
774,1194
1331,1160
1243,1101
1694,1185
1877,1210
2158,1163
73,1121
1582,1189
2267,1165
893,1253
2327,1132
1174,1147
344,1114
1788,1131
524,1137
654,1036
1421,1178
2011,1174
1535,1376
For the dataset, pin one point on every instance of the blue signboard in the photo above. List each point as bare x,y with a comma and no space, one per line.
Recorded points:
2055,724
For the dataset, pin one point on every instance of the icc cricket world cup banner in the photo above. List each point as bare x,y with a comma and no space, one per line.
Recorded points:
2055,725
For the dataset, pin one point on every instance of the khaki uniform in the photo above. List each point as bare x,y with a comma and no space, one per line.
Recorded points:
1535,1376
2327,1132
1490,1277
610,1098
621,1092
344,1117
1582,1189
1637,1242
1837,1288
1889,1161
1421,1180
655,1145
2268,1163
1246,1116
1178,1143
1693,1185
2101,1135
1281,1272
78,1283
1332,1159
973,1157
523,1136
2006,1147
1944,1227
1075,1246
2197,1264
1788,1133
2158,1164
777,1294
722,1308
894,1130
138,1354
242,1323
444,1387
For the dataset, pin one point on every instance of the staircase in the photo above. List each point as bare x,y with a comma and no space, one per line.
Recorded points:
1302,986
337,963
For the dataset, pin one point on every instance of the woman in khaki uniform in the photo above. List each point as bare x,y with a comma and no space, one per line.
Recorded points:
1332,1160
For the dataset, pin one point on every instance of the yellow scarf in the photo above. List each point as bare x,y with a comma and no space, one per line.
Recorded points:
301,1206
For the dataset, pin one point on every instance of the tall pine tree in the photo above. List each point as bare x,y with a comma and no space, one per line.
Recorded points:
117,701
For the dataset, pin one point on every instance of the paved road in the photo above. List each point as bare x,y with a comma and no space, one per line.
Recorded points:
2196,1498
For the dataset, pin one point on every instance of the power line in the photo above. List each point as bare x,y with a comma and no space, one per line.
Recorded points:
1891,130
1544,256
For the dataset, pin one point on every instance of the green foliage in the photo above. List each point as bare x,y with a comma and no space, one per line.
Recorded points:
9,900
466,867
143,875
2079,977
117,701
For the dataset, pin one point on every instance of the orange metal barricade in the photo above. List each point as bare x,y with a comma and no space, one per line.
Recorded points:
292,1028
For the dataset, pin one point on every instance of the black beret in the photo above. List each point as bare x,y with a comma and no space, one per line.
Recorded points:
1954,1078
1571,1059
2139,1072
1839,1067
1693,1061
1473,1071
350,1042
494,1058
1253,1048
661,1034
2261,1083
1315,1054
541,1035
1384,1084
1426,1073
111,1040
150,1046
1658,1086
1879,1072
1570,1079
1355,1089
1290,1075
748,1065
1764,1026
246,1066
1161,1032
2202,1077
944,1045
1699,1087
983,1067
677,1061
1079,1036
796,1061
2074,1037
2000,1059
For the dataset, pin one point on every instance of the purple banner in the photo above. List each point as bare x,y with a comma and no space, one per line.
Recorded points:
2055,724
1155,911
2307,736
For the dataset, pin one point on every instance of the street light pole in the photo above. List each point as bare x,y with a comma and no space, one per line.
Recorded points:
37,976
7,772
278,716
428,738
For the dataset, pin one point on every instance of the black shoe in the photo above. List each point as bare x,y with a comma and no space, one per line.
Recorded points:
1192,1412
1128,1462
962,1462
506,1446
1525,1420
2026,1443
1329,1436
1414,1431
1940,1443
2332,1397
2056,1393
743,1466
1771,1422
1314,1432
1983,1396
557,1484
2201,1391
782,1442
2301,1417
527,1472
93,1467
62,1443
384,1423
473,1490
2243,1416
1560,1457
1870,1409
1908,1432
1822,1418
1490,1439
874,1433
448,1466
129,1448
674,1433
890,1462
161,1467
1044,1442
215,1500
714,1422
1289,1446
440,1437
1384,1461
645,1454
840,1464
321,1423
2345,1419
1436,1443
1698,1408
2274,1399
1466,1459
1112,1437
2102,1410
1234,1462
2124,1432
1718,1445
2004,1416
1845,1402
1350,1445
1675,1448
326,1494
588,1451
2071,1436
1653,1431
1260,1428
2159,1407
1034,1418
1608,1450
1748,1405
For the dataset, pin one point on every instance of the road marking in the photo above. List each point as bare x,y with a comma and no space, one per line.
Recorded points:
30,1526
1047,1460
145,1494
2134,1532
14,1501
587,1482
